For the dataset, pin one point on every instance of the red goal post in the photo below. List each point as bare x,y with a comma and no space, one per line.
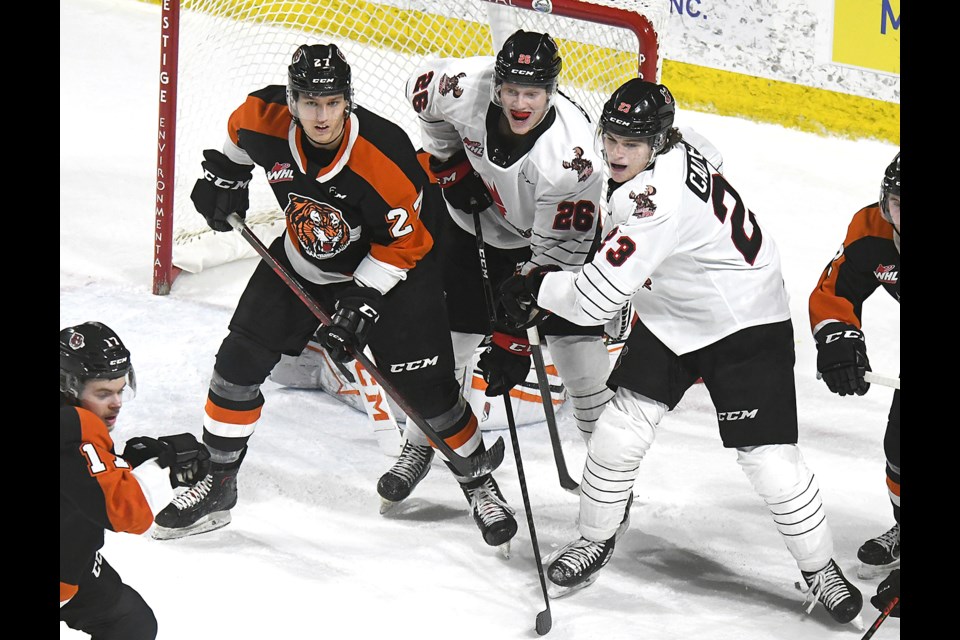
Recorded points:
214,52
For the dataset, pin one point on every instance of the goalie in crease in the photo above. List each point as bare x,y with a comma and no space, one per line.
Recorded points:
355,200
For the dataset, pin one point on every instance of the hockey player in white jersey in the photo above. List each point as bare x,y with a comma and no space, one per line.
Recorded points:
514,155
706,284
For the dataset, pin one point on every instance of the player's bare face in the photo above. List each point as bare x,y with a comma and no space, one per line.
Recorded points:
893,208
323,118
104,398
523,106
626,157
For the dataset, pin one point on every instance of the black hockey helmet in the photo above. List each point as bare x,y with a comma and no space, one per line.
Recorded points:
318,70
92,350
527,58
640,109
890,186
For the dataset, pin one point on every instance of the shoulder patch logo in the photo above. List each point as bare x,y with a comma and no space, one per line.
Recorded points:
474,147
581,165
645,206
451,83
886,274
281,172
319,228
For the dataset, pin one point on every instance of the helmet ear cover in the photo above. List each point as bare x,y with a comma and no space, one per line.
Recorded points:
92,351
318,70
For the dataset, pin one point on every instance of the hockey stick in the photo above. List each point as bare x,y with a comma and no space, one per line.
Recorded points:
544,618
886,381
540,366
481,465
880,618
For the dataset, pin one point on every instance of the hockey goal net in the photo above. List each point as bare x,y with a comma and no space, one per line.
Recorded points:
215,52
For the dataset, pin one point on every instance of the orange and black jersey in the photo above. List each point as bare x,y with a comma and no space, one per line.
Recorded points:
355,211
99,491
868,259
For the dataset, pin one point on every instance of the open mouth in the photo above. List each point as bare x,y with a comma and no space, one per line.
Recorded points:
617,167
522,116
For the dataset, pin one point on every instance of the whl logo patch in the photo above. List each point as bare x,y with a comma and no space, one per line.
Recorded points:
281,172
476,148
887,274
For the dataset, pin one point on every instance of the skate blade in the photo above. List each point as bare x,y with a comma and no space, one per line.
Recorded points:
505,550
209,523
386,506
857,623
555,591
871,571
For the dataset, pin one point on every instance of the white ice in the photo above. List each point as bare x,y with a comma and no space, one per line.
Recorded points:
308,555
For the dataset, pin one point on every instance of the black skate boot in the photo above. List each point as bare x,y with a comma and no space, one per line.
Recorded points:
831,589
410,468
203,507
577,565
881,555
491,512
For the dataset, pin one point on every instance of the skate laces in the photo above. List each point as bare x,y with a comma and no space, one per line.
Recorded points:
581,554
828,587
485,502
194,494
889,540
411,462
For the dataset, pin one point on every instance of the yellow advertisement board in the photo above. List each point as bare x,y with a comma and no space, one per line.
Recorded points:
866,34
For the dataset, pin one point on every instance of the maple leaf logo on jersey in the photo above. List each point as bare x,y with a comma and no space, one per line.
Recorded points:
451,83
887,274
582,166
476,148
645,206
281,172
319,228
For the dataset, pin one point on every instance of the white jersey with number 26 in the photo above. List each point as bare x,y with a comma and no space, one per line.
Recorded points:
688,252
546,191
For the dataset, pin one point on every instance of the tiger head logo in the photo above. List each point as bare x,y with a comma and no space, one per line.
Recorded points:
451,83
319,228
583,166
645,206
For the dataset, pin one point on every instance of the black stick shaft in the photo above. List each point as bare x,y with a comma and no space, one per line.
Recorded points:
468,467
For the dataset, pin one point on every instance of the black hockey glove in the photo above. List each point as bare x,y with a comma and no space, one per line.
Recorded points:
187,459
504,363
351,323
842,358
518,298
886,592
462,186
223,189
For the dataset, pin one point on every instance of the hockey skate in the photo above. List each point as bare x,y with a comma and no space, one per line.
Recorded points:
201,508
410,468
881,555
830,588
577,565
491,512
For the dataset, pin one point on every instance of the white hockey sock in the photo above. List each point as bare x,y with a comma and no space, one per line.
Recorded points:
624,434
786,484
583,363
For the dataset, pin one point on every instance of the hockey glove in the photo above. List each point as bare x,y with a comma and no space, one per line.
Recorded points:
187,459
886,592
518,298
842,358
462,186
223,189
504,363
351,323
